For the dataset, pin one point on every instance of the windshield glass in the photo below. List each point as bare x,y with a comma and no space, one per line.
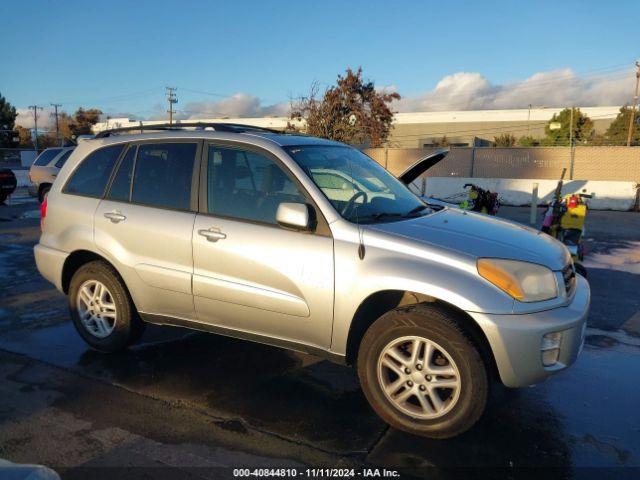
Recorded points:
360,189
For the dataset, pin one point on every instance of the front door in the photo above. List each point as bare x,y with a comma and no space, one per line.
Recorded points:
251,274
145,223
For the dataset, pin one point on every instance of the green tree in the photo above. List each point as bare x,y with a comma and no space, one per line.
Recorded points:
582,128
504,140
617,132
8,116
83,120
352,111
528,141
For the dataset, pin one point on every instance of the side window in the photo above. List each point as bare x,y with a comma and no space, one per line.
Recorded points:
63,158
162,175
45,157
121,186
247,185
90,178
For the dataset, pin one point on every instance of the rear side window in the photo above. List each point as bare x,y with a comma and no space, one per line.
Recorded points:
45,157
91,177
63,158
121,186
162,175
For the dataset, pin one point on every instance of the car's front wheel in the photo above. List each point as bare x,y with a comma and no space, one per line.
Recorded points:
101,308
421,373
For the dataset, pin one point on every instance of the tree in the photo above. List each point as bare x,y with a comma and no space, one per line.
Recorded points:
8,116
582,128
528,141
504,140
352,111
617,132
83,120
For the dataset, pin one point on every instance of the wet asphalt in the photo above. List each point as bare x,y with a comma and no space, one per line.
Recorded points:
182,400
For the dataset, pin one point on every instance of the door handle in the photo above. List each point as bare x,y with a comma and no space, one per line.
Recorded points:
115,217
212,235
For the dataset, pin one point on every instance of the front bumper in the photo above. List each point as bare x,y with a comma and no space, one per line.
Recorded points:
50,263
516,339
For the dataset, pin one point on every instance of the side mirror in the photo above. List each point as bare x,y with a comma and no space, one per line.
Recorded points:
293,215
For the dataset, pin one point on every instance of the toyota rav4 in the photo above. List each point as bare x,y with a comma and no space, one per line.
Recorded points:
310,245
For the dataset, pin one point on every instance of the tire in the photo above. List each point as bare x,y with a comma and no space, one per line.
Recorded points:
119,326
3,197
452,352
42,194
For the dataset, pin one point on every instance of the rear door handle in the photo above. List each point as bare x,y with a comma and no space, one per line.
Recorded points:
115,217
212,235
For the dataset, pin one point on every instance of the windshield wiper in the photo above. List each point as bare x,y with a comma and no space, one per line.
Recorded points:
418,209
379,216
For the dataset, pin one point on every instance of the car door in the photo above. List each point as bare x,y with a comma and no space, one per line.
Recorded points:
145,222
252,275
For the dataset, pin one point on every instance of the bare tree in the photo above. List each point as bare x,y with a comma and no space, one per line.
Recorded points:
352,111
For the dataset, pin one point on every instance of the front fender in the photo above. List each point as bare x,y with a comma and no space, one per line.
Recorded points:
397,264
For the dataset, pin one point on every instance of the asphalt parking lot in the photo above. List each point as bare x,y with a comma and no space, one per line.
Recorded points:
186,404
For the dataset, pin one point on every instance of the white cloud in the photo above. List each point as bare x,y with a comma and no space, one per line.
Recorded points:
238,105
473,91
25,118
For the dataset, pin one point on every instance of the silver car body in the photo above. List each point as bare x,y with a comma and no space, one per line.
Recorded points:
45,174
304,290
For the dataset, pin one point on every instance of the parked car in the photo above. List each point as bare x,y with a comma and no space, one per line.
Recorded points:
8,183
235,232
45,168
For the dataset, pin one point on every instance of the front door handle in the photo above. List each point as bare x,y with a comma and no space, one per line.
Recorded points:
115,217
212,235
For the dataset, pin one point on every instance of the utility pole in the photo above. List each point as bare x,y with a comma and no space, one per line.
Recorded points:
171,99
633,108
35,109
571,153
55,114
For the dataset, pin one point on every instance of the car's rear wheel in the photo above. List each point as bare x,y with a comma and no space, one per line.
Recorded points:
421,373
101,308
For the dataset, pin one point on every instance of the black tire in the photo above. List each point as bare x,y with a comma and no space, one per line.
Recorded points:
580,269
437,325
44,191
128,325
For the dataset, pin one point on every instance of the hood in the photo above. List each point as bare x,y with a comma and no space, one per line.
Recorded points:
480,235
422,165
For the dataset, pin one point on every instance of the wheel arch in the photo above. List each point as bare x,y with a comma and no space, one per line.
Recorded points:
77,259
381,302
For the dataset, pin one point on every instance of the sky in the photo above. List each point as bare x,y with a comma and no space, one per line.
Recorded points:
249,58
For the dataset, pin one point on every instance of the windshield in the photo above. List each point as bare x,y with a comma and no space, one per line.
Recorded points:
360,189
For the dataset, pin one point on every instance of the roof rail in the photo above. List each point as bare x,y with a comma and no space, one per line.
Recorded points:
216,126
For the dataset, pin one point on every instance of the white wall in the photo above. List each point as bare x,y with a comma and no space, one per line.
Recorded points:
517,192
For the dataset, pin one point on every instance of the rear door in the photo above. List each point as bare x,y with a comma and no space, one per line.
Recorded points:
251,274
145,222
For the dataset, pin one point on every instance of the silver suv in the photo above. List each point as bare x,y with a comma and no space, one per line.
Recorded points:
45,168
310,245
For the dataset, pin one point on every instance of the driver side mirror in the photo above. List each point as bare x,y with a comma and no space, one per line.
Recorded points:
293,215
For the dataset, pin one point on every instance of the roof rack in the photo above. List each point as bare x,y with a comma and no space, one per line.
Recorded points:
216,126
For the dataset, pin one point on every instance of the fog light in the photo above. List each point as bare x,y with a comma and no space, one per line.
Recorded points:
550,357
550,347
551,341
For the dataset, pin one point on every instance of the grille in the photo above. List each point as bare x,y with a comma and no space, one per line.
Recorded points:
569,276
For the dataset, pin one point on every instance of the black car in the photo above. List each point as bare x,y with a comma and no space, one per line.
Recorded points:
8,183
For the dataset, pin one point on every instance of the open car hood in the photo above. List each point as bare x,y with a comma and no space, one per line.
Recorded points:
422,165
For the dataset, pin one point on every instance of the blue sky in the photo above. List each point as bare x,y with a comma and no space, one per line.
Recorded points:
119,55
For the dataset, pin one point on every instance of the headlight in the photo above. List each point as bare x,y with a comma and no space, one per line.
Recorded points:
526,282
